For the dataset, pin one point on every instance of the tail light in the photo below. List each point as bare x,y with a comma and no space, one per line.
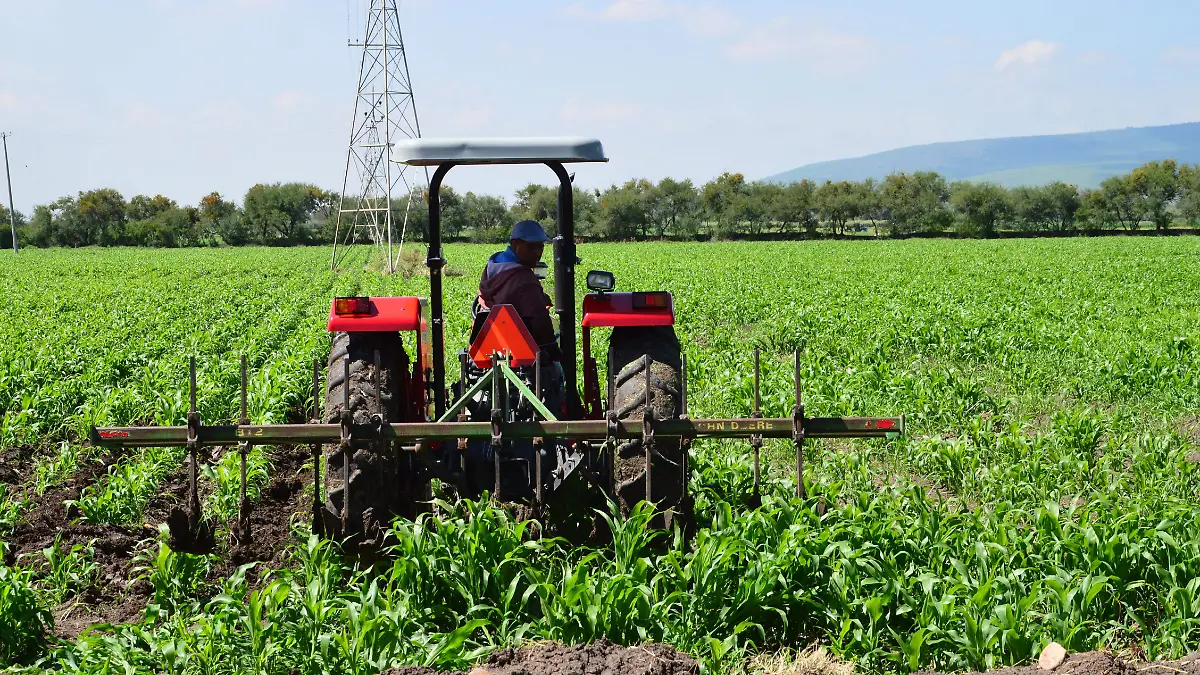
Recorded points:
352,306
656,300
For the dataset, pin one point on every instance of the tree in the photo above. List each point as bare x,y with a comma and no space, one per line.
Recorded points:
176,226
1156,184
6,228
39,231
1032,208
488,217
1117,201
1189,193
141,207
672,204
278,213
794,204
540,203
1064,199
141,226
838,203
869,205
717,197
623,209
752,206
101,217
409,220
58,224
454,219
916,202
1093,213
220,218
982,206
589,221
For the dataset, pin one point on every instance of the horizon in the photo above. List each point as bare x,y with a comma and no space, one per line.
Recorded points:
223,95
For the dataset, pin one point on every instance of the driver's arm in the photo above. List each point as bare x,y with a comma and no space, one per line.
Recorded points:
532,304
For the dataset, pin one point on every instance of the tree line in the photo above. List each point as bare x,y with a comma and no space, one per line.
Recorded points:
1154,195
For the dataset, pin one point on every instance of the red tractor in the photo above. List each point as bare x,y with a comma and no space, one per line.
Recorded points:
514,425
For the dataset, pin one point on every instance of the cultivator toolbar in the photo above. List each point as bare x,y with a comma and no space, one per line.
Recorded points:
599,437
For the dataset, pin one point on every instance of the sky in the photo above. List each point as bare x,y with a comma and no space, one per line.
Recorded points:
184,97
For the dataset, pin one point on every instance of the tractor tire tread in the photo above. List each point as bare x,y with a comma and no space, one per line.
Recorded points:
627,348
373,478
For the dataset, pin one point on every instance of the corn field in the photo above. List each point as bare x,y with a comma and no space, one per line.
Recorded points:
1048,488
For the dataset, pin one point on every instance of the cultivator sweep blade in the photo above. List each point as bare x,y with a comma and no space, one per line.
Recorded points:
452,430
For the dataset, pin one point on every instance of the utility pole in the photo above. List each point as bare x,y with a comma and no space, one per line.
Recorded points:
12,208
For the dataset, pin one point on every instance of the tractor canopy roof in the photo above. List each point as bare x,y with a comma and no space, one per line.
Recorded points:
435,151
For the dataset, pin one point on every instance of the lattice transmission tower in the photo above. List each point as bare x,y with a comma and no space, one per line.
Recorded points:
384,111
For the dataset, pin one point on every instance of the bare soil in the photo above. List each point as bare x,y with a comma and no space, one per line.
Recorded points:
113,598
598,658
1188,426
118,595
1100,663
271,517
15,464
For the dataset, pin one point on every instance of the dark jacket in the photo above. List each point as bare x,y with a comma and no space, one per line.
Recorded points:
507,282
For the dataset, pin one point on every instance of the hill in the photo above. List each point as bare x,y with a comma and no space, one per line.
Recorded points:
1084,159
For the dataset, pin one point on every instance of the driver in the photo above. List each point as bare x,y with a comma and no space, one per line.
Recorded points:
509,279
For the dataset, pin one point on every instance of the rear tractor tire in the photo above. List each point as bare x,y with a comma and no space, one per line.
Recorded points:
627,350
382,479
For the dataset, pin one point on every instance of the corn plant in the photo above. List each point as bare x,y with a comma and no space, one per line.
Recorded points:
226,478
66,571
122,496
176,578
24,621
11,507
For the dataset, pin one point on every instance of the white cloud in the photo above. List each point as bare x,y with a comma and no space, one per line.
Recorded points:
140,115
594,113
288,99
221,114
697,19
1027,54
824,49
638,10
23,103
1186,55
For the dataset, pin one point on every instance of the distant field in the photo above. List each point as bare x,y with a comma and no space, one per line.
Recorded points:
1048,488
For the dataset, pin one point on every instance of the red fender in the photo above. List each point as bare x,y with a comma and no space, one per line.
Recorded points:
628,309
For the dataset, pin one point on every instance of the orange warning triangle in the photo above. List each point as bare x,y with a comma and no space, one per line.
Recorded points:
505,334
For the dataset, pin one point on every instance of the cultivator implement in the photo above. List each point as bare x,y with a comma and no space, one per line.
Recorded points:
598,438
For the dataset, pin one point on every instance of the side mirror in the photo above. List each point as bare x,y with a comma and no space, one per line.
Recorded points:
541,270
599,280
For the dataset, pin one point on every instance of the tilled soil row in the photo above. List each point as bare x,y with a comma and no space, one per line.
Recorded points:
1101,663
118,596
15,465
598,658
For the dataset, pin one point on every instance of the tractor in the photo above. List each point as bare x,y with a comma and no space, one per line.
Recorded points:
515,425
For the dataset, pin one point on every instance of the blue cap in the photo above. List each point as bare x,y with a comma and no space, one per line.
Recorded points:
531,231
